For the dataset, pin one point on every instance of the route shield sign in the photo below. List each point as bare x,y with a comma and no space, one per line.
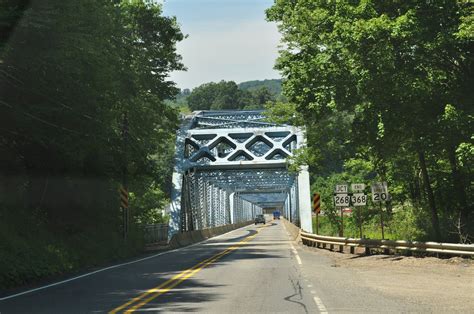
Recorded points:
359,199
379,192
342,199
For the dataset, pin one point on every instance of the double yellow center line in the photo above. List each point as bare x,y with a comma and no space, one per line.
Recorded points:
166,286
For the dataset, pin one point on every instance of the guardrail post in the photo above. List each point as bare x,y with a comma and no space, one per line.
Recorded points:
367,249
389,246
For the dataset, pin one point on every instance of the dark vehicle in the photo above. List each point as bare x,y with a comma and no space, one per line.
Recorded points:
276,214
260,219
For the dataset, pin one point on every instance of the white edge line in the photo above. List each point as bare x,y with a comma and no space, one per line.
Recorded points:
112,267
320,305
298,259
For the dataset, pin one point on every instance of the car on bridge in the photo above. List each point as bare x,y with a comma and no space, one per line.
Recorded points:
260,219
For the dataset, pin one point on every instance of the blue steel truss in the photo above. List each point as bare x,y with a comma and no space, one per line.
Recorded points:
230,166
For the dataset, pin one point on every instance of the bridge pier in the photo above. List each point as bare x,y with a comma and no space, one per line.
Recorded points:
304,201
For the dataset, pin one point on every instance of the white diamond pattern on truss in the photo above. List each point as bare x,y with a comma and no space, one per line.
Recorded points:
251,145
231,164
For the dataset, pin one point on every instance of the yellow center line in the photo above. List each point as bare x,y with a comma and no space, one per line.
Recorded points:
177,282
177,279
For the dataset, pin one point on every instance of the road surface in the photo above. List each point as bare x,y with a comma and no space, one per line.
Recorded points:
253,269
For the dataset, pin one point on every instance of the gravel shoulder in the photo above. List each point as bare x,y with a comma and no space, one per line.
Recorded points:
444,285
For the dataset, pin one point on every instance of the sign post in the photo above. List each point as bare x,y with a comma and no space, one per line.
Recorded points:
359,199
124,205
341,199
124,186
379,194
317,208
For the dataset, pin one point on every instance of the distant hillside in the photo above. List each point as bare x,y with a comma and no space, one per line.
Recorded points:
274,86
228,95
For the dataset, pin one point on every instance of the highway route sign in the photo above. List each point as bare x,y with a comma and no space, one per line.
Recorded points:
379,192
359,199
342,199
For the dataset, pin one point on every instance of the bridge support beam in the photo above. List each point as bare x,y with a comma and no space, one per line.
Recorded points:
304,201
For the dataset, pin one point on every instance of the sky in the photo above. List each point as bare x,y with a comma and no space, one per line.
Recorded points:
227,40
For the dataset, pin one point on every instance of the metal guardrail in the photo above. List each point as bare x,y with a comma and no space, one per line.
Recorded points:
155,233
395,245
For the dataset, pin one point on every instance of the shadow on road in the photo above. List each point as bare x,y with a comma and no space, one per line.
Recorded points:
190,294
109,289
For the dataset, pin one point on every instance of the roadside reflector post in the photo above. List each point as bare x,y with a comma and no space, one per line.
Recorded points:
124,206
317,208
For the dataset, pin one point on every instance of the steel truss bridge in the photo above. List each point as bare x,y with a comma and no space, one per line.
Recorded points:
231,166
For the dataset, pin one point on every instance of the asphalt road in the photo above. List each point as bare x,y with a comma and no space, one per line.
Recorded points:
253,269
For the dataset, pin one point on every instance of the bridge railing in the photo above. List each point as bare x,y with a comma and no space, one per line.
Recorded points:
155,233
394,245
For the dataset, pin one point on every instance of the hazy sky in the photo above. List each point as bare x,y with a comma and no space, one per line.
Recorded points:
228,40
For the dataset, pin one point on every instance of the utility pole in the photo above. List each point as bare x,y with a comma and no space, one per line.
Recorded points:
124,187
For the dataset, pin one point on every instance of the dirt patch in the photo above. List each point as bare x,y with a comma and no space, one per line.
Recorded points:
445,285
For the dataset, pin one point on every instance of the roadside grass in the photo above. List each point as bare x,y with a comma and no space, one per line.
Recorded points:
371,229
31,254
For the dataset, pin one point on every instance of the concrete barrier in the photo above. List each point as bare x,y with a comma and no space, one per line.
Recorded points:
190,237
292,229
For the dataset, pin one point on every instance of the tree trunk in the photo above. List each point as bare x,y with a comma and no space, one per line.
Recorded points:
459,189
430,195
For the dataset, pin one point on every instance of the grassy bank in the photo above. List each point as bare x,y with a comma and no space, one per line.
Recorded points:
397,226
32,253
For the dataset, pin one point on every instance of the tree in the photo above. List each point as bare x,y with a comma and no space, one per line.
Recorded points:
395,66
69,72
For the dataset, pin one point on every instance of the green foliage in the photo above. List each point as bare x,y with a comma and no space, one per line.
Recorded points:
272,86
404,224
69,74
389,85
228,95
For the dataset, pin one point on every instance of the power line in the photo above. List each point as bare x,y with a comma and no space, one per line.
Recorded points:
42,120
132,144
63,105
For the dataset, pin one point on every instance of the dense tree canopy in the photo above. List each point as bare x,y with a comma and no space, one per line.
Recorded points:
82,85
389,83
273,86
227,95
